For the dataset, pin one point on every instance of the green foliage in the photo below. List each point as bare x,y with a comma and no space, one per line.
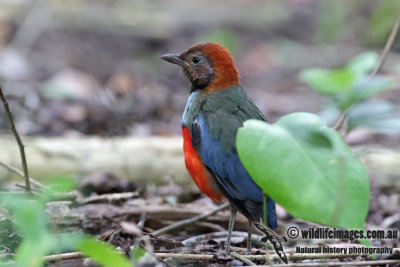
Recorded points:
31,222
350,88
363,64
329,82
102,253
379,115
307,168
350,84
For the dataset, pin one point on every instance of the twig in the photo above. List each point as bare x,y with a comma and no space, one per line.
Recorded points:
155,256
243,250
341,121
242,258
55,195
18,139
63,256
386,49
110,233
352,263
212,226
385,52
21,174
142,220
23,187
163,239
190,220
194,257
305,256
390,220
114,197
273,256
268,257
208,257
15,193
196,239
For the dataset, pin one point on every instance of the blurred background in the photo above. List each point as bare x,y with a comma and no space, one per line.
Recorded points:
92,67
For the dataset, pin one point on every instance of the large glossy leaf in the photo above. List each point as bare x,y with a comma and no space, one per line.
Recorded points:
307,168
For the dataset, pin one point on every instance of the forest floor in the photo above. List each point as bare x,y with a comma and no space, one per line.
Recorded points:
118,212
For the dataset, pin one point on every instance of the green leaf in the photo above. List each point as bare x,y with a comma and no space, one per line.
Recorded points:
31,222
350,84
363,89
363,64
307,168
31,252
29,215
102,253
328,82
382,116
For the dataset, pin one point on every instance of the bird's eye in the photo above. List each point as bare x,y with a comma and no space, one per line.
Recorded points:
195,60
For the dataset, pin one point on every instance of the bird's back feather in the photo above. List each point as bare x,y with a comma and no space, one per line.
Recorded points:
213,122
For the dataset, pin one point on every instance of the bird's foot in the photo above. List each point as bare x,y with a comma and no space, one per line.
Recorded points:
226,251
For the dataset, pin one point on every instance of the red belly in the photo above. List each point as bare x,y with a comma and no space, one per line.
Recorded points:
200,174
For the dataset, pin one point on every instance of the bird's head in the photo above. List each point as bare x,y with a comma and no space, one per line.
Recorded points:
207,65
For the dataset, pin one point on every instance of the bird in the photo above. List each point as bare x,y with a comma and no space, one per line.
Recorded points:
216,108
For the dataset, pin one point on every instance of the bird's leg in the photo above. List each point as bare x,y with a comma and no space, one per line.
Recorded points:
248,250
230,228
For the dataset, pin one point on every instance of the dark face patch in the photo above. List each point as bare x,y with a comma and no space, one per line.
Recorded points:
207,65
197,68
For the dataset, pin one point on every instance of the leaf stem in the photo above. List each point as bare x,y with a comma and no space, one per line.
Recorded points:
342,121
387,48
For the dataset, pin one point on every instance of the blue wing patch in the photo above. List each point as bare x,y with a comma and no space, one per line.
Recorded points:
230,174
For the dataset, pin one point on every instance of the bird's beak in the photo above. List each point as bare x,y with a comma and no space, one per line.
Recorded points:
173,58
